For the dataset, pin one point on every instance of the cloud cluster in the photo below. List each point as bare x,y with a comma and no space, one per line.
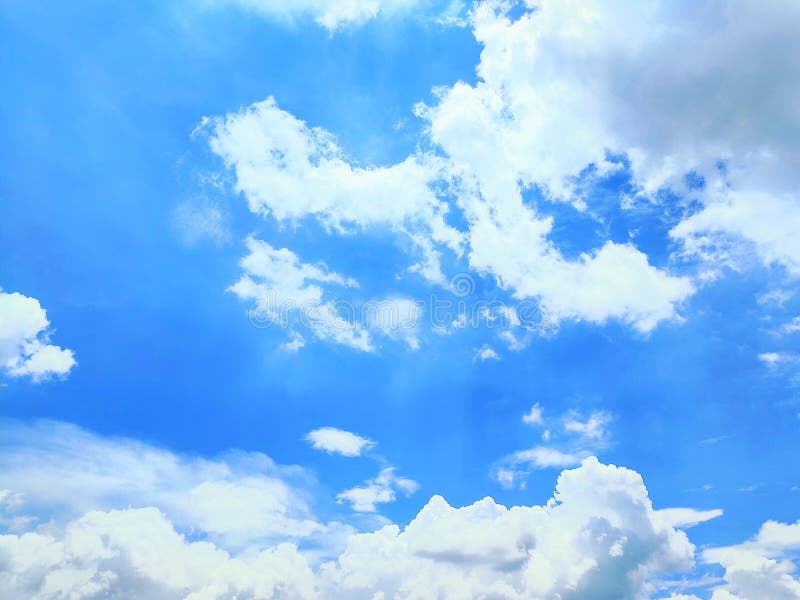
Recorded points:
25,348
694,98
676,88
132,525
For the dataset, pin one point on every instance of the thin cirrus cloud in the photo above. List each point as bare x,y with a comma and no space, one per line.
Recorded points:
330,15
25,348
338,441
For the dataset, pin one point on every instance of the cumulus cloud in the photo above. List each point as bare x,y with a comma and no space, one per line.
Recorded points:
380,490
25,348
566,86
760,567
598,537
136,553
568,93
338,441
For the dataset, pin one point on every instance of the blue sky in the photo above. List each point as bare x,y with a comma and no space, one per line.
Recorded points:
391,151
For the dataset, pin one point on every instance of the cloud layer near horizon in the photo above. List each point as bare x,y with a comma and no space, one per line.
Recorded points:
89,517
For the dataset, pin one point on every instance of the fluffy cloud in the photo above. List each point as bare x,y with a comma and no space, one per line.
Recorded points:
338,441
289,170
24,340
759,568
598,537
331,15
568,85
567,94
238,498
136,553
380,490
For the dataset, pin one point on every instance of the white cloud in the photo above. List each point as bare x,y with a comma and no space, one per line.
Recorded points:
759,218
775,359
485,353
542,457
136,553
568,83
282,287
579,438
594,428
289,170
534,415
563,88
294,345
598,537
330,14
395,318
791,327
24,340
238,498
759,568
687,517
380,490
338,441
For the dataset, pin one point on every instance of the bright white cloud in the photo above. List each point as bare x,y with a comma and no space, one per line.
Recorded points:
237,499
759,568
792,326
380,490
562,90
338,441
330,14
136,553
25,348
289,170
598,537
568,84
